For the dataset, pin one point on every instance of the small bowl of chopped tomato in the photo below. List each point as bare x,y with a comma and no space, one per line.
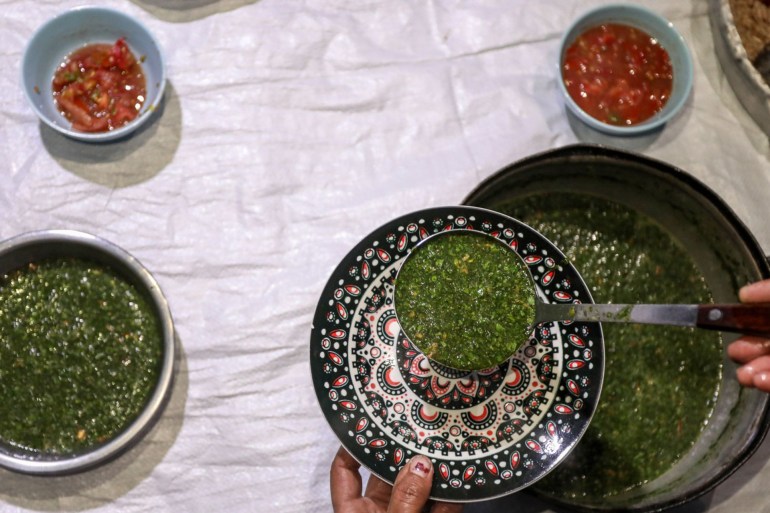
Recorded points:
624,70
94,74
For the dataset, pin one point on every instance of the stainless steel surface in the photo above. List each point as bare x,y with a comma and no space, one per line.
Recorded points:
675,315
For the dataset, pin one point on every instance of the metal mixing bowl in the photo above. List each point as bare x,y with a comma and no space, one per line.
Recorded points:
35,246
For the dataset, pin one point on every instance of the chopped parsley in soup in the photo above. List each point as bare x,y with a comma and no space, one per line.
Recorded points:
80,353
465,299
661,382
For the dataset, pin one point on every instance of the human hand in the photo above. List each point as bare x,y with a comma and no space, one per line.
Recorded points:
409,494
753,353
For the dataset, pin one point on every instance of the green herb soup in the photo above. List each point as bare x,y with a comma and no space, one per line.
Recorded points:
661,382
80,352
465,299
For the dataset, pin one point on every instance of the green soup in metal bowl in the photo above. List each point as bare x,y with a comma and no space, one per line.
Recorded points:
83,350
86,352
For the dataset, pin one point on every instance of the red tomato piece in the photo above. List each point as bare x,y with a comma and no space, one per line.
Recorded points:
121,55
100,87
618,74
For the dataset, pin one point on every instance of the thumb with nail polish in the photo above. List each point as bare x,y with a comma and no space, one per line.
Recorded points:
409,494
412,487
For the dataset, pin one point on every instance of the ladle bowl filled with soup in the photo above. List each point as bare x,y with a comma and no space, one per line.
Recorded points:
466,299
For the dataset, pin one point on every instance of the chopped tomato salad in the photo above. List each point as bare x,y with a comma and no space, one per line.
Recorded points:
100,87
618,74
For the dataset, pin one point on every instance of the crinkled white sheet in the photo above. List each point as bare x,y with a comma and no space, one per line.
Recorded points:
291,129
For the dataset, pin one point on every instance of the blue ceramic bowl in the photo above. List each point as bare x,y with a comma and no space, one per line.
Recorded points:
667,36
72,30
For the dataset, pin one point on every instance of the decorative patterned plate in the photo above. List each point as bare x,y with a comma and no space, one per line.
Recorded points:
489,432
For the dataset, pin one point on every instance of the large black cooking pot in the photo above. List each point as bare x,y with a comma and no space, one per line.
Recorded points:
725,252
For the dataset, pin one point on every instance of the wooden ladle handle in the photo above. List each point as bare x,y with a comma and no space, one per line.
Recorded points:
748,318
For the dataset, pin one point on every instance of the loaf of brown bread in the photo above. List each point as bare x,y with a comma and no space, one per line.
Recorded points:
752,19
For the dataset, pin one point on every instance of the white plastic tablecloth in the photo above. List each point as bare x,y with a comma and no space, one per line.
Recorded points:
290,130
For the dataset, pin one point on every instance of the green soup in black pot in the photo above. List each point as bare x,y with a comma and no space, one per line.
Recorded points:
672,421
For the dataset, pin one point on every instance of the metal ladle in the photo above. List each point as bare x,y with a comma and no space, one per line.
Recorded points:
748,319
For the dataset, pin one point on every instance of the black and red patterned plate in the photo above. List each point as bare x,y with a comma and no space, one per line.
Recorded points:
490,432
